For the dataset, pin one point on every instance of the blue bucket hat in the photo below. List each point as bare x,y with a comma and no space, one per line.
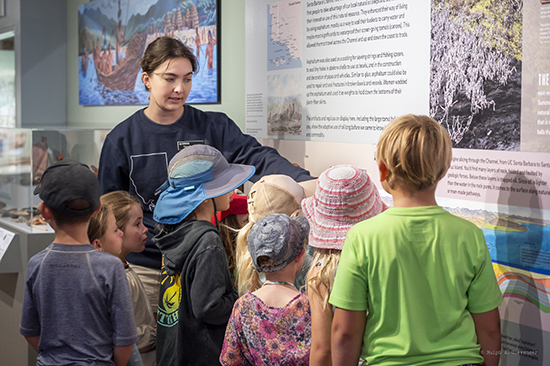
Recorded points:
196,173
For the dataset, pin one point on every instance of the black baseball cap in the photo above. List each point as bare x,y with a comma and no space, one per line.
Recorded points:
66,181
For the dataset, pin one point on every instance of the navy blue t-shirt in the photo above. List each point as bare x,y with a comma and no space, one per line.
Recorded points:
136,153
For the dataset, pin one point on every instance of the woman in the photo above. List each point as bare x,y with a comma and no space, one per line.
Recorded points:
136,152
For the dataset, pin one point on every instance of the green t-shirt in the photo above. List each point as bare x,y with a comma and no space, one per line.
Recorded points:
419,272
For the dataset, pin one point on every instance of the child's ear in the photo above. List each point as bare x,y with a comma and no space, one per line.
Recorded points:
383,170
44,211
302,253
97,244
99,208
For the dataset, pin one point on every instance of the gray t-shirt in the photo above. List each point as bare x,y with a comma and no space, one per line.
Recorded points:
78,301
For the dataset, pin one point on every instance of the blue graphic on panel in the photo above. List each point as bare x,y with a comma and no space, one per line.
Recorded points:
527,249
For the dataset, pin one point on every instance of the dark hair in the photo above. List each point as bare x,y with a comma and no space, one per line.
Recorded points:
62,218
162,49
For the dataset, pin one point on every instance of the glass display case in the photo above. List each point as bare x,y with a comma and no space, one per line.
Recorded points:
24,155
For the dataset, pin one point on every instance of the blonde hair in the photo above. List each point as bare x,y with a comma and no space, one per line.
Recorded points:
248,279
120,203
416,151
98,224
320,276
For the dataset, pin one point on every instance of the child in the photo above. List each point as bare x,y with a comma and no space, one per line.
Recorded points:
271,194
77,307
103,232
196,294
272,325
135,153
129,220
345,195
424,276
105,236
229,224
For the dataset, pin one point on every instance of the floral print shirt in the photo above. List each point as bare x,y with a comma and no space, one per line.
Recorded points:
258,334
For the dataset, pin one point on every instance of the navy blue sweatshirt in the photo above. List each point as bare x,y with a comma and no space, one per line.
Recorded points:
136,153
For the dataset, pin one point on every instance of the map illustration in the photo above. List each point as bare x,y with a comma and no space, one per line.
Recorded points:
284,35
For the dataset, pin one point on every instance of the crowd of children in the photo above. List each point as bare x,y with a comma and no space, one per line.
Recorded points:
136,152
406,285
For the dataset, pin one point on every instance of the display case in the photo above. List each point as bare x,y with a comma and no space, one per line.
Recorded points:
24,155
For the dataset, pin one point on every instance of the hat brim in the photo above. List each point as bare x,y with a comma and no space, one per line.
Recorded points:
229,180
320,236
175,204
331,236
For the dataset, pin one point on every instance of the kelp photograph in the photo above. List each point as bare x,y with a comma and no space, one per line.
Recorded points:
475,71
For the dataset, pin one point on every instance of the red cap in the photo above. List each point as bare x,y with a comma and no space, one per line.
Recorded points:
238,206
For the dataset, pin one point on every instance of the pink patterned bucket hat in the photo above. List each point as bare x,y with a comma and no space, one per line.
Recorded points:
344,196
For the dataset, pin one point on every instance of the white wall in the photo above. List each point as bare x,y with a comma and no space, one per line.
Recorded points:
318,156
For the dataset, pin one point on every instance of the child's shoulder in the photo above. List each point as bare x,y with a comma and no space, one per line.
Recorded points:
373,222
100,258
457,219
41,254
201,236
55,249
244,304
397,215
207,231
60,257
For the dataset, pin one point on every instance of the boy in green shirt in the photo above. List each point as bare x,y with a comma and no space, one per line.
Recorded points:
415,284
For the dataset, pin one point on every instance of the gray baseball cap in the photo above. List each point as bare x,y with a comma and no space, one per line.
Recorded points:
279,238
